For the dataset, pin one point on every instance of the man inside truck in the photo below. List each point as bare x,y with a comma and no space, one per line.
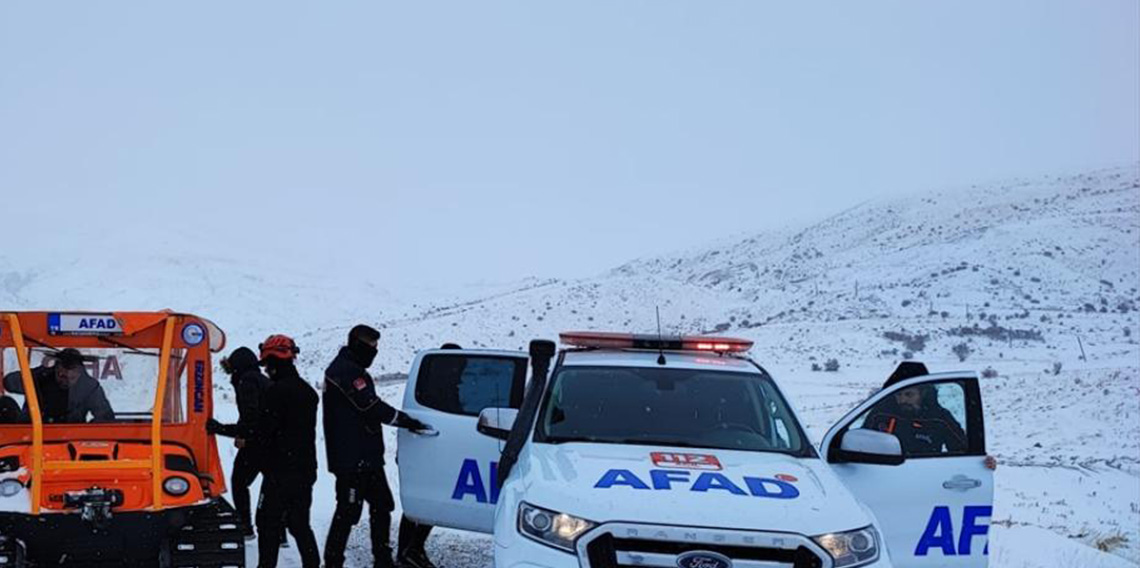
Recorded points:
66,393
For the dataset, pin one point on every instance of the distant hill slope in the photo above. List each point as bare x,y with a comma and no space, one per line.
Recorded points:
1028,260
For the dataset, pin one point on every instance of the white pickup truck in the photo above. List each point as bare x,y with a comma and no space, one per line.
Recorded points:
680,452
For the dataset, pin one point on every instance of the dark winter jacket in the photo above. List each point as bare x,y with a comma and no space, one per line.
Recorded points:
353,417
287,428
250,386
59,405
929,432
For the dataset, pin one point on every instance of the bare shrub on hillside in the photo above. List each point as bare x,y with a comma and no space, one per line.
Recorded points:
996,332
962,351
914,342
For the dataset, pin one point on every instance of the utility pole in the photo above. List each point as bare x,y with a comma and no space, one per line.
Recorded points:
1082,346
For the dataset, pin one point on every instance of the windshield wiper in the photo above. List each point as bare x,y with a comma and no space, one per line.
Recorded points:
624,441
662,442
128,347
41,344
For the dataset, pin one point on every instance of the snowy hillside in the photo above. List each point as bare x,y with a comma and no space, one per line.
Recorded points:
1035,281
1037,262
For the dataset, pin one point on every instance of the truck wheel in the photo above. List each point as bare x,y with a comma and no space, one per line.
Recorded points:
12,552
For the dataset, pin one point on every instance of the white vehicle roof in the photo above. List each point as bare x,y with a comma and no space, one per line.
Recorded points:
488,352
643,358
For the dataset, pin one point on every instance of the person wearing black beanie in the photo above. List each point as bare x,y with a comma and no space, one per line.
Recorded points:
354,441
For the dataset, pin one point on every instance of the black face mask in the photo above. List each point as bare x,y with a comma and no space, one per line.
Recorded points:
275,367
364,353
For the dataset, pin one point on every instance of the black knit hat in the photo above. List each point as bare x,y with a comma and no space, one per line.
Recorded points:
69,358
363,332
906,370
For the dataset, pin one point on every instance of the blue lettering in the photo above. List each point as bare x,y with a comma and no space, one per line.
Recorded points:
620,477
663,480
760,487
199,386
469,482
939,533
971,528
709,480
494,479
83,323
662,477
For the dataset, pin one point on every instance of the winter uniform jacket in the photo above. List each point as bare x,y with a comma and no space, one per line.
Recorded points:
250,384
929,432
353,416
287,428
61,405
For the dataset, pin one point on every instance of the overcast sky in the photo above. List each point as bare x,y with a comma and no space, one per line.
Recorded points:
438,141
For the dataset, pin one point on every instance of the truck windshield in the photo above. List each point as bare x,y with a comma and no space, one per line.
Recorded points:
110,384
669,407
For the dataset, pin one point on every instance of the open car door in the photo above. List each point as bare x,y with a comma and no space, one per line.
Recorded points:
447,478
934,507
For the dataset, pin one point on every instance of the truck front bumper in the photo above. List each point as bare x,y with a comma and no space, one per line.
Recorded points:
599,549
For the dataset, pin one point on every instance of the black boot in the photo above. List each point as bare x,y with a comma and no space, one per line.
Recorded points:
415,558
382,557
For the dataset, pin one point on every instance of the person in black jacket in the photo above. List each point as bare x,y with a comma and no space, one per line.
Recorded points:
287,429
66,393
922,425
250,386
353,420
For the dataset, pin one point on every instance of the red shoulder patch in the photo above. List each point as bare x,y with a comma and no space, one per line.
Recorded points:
360,383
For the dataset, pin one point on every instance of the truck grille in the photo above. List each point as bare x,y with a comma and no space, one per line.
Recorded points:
621,545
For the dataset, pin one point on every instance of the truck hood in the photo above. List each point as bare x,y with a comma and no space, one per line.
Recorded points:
688,487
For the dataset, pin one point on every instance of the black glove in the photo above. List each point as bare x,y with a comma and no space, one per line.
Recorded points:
213,426
405,421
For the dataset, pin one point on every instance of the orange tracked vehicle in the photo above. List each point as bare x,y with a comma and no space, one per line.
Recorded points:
104,455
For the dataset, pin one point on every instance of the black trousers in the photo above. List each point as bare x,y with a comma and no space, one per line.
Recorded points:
246,469
286,498
413,536
353,490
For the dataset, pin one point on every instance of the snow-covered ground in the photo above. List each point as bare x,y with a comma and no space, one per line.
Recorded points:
1036,280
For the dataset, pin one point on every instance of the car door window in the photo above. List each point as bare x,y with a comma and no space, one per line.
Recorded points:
466,384
930,420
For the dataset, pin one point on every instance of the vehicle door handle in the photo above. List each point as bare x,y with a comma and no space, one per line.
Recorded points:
961,483
429,433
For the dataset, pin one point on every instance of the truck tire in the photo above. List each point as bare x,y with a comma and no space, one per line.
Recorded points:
12,552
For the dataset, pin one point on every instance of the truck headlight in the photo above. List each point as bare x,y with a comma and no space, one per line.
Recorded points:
176,486
550,527
10,487
852,548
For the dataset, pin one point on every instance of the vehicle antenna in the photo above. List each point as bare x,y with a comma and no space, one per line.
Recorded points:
660,339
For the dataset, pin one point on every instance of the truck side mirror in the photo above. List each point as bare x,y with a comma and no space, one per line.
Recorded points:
497,422
863,445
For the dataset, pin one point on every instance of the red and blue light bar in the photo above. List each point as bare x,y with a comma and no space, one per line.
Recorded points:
608,340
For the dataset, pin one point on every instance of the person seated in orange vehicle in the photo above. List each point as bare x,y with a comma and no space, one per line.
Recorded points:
67,394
